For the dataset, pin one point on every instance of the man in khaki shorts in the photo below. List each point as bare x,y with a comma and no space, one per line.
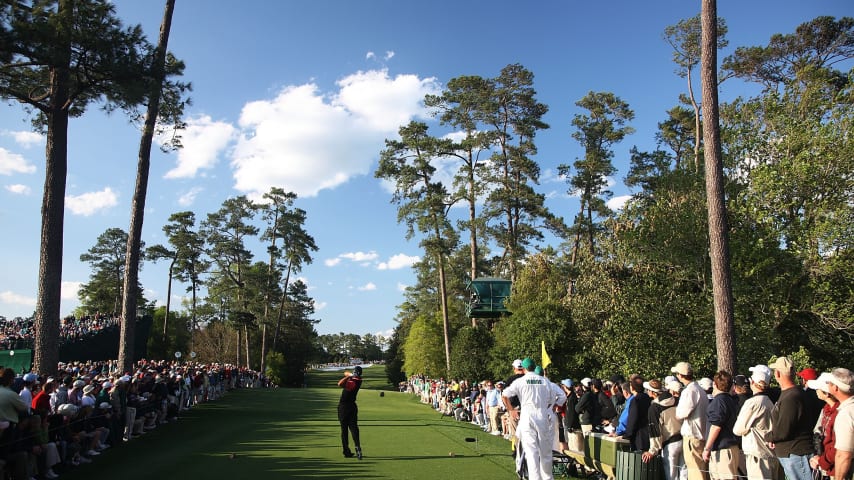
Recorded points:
691,410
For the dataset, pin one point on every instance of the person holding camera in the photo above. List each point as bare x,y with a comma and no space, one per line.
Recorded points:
823,437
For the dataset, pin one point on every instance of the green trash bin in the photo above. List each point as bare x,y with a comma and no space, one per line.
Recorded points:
630,466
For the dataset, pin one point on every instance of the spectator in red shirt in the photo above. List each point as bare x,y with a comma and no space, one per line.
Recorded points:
41,402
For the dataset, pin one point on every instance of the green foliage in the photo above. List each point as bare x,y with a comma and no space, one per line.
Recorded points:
277,368
103,292
819,43
598,130
394,360
423,350
470,349
177,335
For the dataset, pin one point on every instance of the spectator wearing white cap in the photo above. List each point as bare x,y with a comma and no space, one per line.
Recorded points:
824,441
707,385
508,419
841,386
692,410
753,425
31,381
664,431
88,398
791,437
75,395
587,407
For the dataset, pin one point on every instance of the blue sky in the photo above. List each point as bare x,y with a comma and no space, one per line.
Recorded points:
301,95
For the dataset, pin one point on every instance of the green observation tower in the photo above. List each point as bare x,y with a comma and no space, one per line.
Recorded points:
487,296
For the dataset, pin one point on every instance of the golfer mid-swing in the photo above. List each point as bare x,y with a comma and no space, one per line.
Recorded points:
348,412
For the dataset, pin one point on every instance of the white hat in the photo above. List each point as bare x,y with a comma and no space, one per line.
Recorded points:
843,379
682,368
31,377
586,381
67,410
517,363
821,382
88,389
783,364
761,373
674,386
670,378
705,383
648,386
106,385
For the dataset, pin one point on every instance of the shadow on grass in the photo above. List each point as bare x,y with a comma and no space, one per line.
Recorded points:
294,433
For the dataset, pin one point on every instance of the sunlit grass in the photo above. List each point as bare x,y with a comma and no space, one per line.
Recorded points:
294,433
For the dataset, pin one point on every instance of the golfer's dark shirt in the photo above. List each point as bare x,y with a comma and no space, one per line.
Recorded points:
350,389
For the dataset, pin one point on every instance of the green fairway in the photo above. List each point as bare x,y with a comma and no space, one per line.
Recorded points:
294,433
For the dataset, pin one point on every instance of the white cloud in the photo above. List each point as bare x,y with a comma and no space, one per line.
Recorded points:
90,203
370,55
396,262
189,197
389,54
319,306
18,189
360,256
367,287
16,299
617,203
382,102
203,140
304,140
14,163
401,287
365,258
25,138
69,290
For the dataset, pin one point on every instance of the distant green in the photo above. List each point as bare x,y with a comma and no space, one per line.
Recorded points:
294,433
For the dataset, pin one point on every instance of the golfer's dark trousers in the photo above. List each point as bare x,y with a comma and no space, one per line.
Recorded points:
348,416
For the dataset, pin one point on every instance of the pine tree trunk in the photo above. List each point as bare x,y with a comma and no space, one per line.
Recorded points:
46,323
263,346
446,323
131,284
697,120
718,225
168,303
246,342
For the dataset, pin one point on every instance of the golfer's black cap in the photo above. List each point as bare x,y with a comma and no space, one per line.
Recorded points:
358,370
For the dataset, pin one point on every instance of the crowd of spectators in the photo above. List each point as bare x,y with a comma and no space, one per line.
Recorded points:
49,424
18,332
773,422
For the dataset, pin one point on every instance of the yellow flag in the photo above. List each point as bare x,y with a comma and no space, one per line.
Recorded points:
546,360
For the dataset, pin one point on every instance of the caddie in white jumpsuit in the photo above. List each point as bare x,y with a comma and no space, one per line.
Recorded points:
538,396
